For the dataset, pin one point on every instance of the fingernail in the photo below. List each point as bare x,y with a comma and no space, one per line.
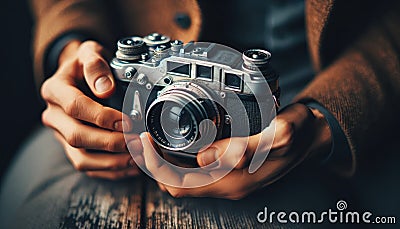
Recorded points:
121,126
209,156
135,146
102,84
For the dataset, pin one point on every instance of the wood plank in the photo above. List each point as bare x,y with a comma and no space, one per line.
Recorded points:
164,211
105,204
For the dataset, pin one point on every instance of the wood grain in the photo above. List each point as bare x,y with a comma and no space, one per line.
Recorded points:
164,211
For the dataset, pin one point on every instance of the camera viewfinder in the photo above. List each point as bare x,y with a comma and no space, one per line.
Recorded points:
204,72
178,68
233,81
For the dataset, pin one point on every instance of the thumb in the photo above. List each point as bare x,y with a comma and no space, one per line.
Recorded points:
227,153
239,152
96,70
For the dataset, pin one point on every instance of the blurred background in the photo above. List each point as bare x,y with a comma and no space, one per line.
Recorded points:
20,104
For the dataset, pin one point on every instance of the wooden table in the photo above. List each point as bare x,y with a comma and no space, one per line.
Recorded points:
140,204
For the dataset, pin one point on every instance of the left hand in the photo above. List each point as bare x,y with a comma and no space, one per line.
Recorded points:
299,133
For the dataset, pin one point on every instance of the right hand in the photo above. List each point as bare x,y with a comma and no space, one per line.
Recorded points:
80,123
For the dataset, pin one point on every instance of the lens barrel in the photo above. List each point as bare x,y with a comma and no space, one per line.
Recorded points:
174,119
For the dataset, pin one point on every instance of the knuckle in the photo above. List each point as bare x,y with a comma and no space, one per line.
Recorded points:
110,145
101,118
287,134
115,143
78,165
92,45
45,89
74,139
73,107
45,117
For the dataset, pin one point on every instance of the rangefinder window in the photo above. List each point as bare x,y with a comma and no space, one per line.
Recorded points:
233,81
204,72
178,68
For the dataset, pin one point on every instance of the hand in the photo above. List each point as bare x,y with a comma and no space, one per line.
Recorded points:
300,133
80,123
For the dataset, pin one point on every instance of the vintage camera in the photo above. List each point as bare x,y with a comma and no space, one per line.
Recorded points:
189,95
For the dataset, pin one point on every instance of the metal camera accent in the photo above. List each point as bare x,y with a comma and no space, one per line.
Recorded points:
189,95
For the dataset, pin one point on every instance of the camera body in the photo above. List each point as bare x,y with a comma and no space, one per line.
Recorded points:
189,95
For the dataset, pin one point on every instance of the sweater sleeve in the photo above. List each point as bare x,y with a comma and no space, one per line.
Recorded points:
362,88
53,19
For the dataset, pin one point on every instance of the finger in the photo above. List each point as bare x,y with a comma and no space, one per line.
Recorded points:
233,186
238,183
273,142
114,175
227,153
287,123
158,167
260,146
84,161
79,106
194,179
251,151
80,135
96,69
273,170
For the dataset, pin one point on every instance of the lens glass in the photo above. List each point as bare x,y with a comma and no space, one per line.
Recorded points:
183,118
172,124
176,121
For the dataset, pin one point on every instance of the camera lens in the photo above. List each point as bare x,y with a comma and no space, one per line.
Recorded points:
177,121
130,48
174,119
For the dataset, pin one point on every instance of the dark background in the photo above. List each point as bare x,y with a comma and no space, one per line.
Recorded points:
20,104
